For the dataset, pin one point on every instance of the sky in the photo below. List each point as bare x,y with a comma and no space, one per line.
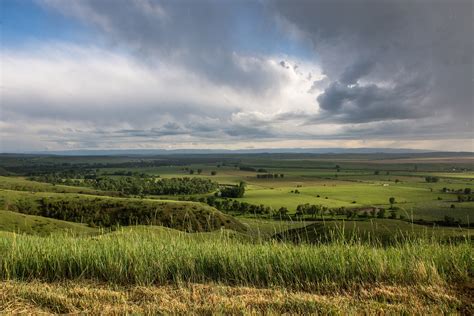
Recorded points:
208,74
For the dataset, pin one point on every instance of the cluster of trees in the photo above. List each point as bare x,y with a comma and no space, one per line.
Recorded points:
75,176
464,195
234,206
451,221
198,171
431,179
270,176
311,210
465,198
232,191
227,205
151,186
458,191
68,177
247,168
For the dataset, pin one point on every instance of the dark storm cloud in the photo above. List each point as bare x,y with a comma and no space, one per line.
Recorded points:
389,60
367,103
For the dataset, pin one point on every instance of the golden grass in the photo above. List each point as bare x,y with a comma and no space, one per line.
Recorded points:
99,298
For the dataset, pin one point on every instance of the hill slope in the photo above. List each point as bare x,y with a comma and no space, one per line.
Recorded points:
384,231
38,225
111,211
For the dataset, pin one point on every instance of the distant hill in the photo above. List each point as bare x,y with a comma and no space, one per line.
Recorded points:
146,152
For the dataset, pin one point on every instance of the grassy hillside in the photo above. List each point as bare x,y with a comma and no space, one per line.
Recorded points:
375,231
111,211
38,225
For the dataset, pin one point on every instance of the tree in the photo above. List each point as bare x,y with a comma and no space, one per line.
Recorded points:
233,191
392,201
467,191
376,172
199,171
300,210
191,171
431,179
282,211
213,173
381,213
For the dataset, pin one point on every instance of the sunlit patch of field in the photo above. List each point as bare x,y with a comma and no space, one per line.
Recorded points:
265,228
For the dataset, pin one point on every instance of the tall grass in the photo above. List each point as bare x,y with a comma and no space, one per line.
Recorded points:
146,258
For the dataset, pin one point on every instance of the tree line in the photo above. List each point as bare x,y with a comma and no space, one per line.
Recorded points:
152,186
270,176
137,184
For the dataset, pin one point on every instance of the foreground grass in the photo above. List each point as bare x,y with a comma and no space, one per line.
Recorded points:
142,258
99,298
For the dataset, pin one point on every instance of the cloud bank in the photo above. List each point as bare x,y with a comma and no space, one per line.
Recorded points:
214,74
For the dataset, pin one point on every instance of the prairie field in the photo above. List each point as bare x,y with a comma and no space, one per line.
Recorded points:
329,237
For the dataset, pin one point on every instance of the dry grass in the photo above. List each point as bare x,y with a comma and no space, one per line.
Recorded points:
94,298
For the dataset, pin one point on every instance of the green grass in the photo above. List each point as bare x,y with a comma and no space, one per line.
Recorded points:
266,228
38,225
141,258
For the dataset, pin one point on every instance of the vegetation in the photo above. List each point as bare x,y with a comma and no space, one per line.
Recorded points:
97,298
377,232
139,258
175,228
38,225
232,191
110,212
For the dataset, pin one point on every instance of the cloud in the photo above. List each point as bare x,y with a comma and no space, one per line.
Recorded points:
201,36
114,99
368,103
212,73
390,60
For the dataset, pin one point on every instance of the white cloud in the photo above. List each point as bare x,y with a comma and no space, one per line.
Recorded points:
67,96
